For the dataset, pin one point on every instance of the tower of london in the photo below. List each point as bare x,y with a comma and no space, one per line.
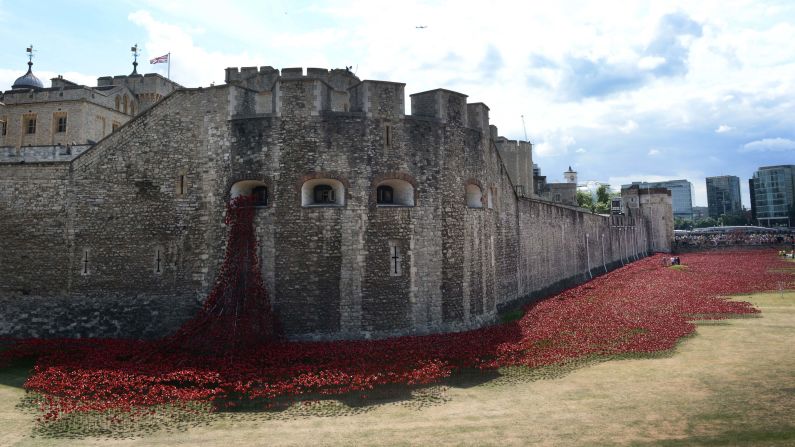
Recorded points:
371,222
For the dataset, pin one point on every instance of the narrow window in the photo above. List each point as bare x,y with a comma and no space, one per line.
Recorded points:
158,262
388,136
324,194
181,185
132,109
124,104
491,245
61,124
385,194
30,125
118,103
3,128
84,269
260,194
394,259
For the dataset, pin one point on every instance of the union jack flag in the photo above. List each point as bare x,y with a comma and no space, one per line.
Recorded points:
159,60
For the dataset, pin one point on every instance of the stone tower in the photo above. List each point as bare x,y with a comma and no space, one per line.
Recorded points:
654,207
570,176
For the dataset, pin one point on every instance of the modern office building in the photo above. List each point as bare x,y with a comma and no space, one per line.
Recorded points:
773,195
681,195
700,212
723,195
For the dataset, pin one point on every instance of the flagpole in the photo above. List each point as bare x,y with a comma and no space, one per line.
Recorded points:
169,65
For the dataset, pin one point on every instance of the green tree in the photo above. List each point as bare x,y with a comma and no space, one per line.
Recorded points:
584,200
603,195
705,222
682,224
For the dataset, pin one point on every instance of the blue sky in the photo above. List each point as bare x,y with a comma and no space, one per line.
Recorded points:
621,91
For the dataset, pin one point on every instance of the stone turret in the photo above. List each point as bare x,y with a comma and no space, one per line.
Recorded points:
517,156
570,176
654,205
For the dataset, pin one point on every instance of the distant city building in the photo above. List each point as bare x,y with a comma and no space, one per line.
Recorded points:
616,205
565,193
773,195
723,195
700,212
681,195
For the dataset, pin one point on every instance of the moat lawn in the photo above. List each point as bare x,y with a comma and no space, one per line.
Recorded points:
733,383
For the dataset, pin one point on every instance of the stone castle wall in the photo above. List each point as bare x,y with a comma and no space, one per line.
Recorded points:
127,239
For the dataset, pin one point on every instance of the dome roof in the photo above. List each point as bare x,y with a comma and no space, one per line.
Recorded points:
28,80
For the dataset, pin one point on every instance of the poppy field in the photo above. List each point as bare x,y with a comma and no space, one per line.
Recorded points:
641,308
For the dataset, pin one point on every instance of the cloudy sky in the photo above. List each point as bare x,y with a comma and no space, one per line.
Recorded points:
621,91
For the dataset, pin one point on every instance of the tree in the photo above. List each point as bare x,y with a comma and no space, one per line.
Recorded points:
705,222
584,200
603,195
682,224
602,203
732,219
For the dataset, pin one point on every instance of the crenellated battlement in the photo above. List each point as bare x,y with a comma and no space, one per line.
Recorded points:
311,91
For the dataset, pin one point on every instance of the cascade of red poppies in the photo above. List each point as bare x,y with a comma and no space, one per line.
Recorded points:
642,307
236,315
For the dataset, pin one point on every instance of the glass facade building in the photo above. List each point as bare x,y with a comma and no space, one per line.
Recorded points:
723,195
773,192
681,195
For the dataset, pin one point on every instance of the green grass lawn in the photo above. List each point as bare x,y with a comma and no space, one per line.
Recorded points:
732,383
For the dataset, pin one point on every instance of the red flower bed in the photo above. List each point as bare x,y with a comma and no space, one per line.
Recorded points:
643,307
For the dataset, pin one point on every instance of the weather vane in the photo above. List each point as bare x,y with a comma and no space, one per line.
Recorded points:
134,50
29,50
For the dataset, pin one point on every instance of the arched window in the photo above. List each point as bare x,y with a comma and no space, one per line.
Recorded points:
255,188
118,103
132,108
394,192
323,192
124,104
474,196
385,194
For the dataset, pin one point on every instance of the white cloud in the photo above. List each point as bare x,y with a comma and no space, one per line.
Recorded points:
554,144
769,144
191,64
723,128
650,62
653,152
628,127
580,150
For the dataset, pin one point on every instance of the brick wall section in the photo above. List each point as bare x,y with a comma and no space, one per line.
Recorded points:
327,268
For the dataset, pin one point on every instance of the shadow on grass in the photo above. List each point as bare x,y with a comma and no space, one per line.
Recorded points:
15,373
757,438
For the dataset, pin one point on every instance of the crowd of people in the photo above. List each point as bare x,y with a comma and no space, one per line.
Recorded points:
696,239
